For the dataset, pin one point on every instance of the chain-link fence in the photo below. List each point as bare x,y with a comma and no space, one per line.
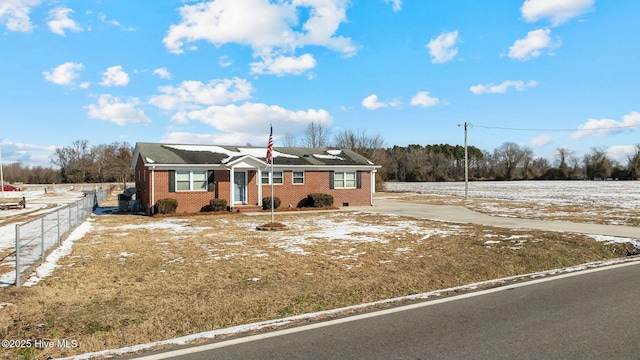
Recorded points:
36,238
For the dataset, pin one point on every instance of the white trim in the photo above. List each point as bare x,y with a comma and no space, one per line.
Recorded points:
245,185
293,177
191,180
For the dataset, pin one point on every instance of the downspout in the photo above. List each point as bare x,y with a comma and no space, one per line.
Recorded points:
153,187
373,185
231,187
259,182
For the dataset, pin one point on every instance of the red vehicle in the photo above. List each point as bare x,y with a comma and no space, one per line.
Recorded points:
10,188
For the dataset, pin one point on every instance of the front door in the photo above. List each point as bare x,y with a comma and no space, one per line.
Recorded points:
240,187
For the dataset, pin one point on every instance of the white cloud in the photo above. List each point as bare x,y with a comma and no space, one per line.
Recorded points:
533,45
397,4
423,99
59,21
63,74
621,153
224,61
284,65
195,94
162,73
604,127
502,88
442,48
371,102
110,108
115,23
248,118
271,29
14,14
115,76
541,140
558,11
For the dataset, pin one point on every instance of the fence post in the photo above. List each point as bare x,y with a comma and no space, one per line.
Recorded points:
58,224
18,255
42,238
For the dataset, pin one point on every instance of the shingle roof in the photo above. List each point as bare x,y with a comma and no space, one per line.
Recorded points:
186,154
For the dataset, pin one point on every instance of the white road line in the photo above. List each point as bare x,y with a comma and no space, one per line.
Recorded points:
202,348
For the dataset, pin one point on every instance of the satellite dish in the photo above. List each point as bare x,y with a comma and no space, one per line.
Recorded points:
129,192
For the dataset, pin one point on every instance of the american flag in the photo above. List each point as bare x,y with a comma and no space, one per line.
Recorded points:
269,157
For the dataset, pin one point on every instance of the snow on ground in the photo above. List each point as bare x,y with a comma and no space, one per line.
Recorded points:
51,263
40,200
624,194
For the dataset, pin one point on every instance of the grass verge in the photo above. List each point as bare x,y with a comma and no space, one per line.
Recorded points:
134,279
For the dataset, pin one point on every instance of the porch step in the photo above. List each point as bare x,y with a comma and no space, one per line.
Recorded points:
246,208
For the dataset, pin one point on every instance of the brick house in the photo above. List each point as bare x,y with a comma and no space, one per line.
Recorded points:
196,174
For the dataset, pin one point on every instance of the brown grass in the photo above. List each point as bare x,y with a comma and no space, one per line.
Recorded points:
129,282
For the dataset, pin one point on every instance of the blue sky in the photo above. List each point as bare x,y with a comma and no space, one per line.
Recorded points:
543,74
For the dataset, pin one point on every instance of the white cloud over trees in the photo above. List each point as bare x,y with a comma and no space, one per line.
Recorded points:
111,108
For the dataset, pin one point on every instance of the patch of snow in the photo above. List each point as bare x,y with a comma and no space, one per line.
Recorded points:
5,304
51,262
614,239
327,156
255,152
149,160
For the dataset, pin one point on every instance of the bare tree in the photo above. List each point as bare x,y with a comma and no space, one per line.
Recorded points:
316,135
634,163
597,164
509,156
290,139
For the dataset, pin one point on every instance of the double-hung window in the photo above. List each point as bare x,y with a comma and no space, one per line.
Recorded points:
277,177
344,180
191,180
298,177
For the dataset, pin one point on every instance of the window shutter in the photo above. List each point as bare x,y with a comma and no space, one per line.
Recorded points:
359,179
172,181
210,183
331,175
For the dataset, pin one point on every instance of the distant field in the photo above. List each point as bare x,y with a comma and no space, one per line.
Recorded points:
603,202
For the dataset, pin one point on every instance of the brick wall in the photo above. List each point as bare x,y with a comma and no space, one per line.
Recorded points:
289,194
318,182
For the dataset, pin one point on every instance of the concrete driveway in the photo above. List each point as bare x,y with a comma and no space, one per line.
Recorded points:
459,214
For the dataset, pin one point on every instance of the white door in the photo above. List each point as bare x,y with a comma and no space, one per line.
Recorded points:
240,187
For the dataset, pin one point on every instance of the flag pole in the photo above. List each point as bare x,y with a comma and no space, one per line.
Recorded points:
269,160
272,189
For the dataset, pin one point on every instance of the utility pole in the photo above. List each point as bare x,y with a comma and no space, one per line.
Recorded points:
466,164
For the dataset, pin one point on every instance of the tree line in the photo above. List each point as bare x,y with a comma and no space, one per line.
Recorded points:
81,162
78,163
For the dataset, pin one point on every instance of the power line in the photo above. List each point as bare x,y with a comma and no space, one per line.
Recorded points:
555,130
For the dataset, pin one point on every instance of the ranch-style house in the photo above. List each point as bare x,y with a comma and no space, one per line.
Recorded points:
196,174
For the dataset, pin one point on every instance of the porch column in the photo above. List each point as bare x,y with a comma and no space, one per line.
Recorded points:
231,187
259,182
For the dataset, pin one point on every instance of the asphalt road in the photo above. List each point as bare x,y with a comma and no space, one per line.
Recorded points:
593,314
